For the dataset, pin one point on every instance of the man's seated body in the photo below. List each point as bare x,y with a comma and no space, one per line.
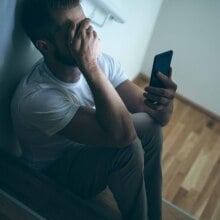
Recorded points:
81,121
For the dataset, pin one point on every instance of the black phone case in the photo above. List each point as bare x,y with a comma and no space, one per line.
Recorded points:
161,64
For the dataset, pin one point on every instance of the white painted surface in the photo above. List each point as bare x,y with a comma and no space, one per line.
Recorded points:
6,26
192,29
16,56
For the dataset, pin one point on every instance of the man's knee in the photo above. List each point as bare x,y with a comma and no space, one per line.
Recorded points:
131,156
148,130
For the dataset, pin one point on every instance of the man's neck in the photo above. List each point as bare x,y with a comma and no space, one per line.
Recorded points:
65,73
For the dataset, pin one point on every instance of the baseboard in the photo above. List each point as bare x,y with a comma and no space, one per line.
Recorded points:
186,100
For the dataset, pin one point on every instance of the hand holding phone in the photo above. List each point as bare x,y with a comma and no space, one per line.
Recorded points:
161,64
161,92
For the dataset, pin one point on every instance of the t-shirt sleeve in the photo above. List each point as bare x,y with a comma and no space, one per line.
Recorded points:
113,70
49,110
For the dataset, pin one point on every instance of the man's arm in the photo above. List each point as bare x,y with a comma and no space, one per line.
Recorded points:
110,124
138,100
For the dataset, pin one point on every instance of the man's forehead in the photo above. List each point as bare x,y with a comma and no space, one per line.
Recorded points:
64,17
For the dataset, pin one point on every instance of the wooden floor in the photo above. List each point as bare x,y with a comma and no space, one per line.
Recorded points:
191,160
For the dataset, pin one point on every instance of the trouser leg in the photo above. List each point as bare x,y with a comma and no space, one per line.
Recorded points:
88,170
126,181
150,134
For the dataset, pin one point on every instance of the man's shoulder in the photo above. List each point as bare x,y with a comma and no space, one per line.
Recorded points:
106,58
31,73
36,87
108,63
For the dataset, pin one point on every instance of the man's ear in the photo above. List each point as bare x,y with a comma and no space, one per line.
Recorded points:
43,46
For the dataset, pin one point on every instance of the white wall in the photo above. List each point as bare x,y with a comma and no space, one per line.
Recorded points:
192,29
16,57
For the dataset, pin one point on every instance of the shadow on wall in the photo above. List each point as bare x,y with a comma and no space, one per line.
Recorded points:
16,57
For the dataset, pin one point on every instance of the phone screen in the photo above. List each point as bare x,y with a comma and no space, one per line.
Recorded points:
161,64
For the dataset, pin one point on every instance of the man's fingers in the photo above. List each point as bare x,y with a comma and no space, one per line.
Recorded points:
152,108
90,30
149,109
95,34
84,25
158,99
170,94
170,72
168,83
78,33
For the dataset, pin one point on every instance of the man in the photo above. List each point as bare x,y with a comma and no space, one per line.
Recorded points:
72,113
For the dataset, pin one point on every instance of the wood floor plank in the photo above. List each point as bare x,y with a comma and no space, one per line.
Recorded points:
203,165
170,212
203,198
171,187
177,114
212,203
185,199
192,152
173,170
216,213
170,190
188,146
170,141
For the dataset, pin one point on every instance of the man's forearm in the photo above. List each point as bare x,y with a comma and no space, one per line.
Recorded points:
112,114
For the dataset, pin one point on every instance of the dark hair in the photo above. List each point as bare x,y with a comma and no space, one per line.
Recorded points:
36,17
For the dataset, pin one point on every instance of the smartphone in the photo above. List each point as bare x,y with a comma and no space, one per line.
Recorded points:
161,64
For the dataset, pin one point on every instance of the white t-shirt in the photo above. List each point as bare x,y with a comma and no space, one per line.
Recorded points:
43,105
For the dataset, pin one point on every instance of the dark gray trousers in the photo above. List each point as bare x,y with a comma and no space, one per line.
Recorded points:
133,173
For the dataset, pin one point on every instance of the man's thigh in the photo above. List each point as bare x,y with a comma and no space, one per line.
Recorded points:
84,169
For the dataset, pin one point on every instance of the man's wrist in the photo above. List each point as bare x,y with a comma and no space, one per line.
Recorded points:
91,69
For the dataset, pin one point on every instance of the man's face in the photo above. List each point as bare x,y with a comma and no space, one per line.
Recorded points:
64,19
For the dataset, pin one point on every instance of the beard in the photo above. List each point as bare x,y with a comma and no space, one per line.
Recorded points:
65,59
